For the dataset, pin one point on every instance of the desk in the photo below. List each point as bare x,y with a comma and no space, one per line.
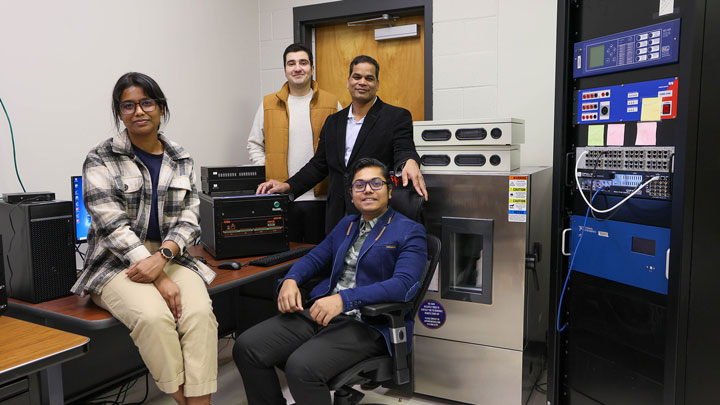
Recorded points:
111,341
27,348
82,312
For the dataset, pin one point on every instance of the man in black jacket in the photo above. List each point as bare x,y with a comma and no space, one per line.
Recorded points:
366,128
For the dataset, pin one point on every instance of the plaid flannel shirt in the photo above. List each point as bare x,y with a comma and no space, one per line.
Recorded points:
117,191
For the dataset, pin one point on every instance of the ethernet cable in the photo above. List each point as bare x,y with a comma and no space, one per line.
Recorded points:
12,137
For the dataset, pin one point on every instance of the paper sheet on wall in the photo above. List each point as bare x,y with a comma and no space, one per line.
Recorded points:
595,135
616,135
651,108
666,7
646,133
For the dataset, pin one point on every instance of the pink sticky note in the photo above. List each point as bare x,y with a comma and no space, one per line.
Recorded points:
616,135
646,133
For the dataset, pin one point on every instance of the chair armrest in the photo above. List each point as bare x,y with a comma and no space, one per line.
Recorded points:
394,313
384,308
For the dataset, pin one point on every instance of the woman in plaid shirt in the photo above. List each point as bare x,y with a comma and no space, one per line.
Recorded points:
139,188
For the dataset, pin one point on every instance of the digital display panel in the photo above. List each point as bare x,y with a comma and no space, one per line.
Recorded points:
596,56
254,226
82,218
644,246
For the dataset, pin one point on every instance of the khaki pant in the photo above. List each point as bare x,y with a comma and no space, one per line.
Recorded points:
176,354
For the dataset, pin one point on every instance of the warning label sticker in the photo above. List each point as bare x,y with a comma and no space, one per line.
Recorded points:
517,199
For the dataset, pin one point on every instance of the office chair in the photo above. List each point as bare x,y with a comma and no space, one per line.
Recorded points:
397,368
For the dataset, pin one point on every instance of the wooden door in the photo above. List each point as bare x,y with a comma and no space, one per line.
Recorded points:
402,62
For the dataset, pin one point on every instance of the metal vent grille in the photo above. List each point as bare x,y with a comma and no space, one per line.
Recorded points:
470,160
53,257
435,135
435,160
467,134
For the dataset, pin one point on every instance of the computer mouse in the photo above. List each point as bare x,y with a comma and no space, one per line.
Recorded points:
229,265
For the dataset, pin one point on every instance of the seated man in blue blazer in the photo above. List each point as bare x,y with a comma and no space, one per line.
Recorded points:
376,256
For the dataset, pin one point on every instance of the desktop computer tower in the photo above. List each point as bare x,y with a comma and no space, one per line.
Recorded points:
39,250
3,290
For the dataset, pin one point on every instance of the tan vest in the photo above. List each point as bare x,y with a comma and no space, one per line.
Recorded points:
322,104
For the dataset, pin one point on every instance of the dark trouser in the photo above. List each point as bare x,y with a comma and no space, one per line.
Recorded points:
306,221
312,354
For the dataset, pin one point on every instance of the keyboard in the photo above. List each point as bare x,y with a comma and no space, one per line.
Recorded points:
281,257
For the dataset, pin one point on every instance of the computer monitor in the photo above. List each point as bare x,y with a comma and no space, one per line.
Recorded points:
82,218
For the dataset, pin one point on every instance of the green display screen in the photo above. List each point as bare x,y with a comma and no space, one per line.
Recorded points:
597,55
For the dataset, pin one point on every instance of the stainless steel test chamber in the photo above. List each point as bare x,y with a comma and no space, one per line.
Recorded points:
482,337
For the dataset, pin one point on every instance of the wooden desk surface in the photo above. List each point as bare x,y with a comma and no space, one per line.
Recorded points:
23,343
82,309
227,276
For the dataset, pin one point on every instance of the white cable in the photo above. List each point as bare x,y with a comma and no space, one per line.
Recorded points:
582,194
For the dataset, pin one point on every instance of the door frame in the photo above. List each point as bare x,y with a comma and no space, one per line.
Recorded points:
305,18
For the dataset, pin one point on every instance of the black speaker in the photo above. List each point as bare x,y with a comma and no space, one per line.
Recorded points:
39,254
3,290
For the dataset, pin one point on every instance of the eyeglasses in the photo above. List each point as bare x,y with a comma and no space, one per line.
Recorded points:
129,107
377,183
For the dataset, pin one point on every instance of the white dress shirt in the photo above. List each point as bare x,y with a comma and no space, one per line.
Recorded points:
352,131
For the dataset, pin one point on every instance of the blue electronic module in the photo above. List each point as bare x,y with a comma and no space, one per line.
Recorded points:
627,253
625,102
655,44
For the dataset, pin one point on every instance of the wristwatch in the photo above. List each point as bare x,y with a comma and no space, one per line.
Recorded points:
166,253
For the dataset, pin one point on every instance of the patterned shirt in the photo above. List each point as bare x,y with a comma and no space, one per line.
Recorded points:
118,196
347,278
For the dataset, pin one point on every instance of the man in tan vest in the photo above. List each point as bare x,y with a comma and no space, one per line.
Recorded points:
285,135
367,128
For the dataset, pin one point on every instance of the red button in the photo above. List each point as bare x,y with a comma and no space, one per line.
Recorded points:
666,109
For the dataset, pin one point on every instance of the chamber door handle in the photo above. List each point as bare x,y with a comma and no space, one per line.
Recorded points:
667,264
531,261
562,243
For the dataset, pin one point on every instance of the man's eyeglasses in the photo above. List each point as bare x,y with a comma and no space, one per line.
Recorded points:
377,183
128,107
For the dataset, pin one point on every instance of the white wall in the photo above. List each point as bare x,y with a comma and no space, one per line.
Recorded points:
491,58
215,59
275,21
526,72
60,61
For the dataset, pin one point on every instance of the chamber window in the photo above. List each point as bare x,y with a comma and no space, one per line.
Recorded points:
467,266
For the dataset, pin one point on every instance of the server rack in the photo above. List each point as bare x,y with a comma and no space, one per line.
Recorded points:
624,344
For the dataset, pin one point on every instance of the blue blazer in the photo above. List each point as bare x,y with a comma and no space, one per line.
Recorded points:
389,268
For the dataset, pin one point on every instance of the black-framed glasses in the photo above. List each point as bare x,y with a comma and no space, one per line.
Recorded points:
377,183
128,107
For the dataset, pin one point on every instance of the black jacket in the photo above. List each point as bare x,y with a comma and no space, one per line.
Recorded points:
386,135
